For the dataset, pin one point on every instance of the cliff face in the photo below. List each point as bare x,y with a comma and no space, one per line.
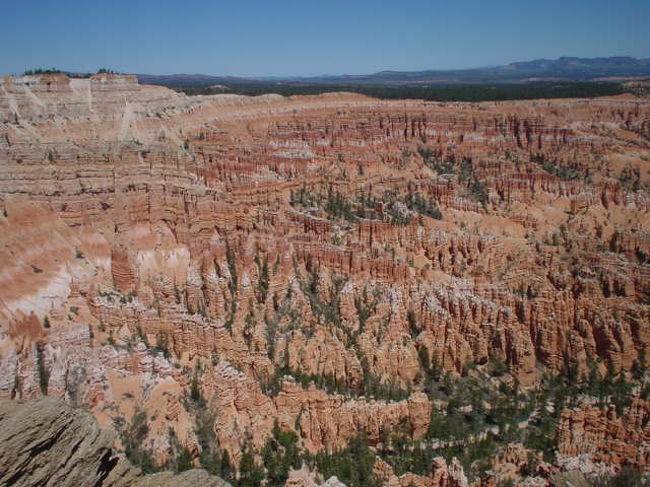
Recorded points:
151,240
45,442
606,436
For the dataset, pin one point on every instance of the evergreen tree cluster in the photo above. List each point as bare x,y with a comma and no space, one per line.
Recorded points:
31,72
424,206
458,92
554,167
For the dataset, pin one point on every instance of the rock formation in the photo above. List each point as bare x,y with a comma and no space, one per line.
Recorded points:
46,442
608,438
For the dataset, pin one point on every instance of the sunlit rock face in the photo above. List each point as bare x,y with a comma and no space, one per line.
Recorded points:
153,242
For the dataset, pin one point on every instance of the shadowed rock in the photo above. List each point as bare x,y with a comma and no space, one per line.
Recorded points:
46,442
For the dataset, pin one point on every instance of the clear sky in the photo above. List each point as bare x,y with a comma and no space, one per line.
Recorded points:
307,37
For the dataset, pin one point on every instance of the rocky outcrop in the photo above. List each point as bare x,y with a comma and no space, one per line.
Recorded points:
330,421
606,437
305,478
442,475
45,442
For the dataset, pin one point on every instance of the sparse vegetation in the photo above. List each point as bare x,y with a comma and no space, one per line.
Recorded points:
43,372
133,438
162,344
554,167
263,278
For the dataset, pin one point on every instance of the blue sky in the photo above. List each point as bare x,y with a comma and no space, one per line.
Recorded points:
277,37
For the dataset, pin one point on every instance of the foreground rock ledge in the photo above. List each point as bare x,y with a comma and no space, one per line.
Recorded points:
46,442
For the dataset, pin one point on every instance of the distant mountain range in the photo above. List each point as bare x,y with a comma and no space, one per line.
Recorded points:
562,69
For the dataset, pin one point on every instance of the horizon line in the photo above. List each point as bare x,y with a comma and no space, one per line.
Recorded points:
325,75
